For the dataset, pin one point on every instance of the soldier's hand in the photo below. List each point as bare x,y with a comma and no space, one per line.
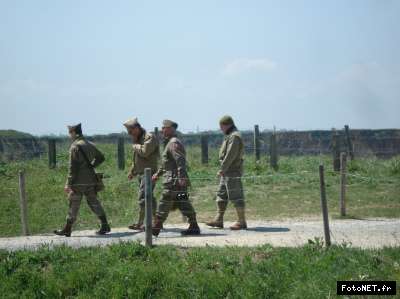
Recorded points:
154,178
220,173
130,177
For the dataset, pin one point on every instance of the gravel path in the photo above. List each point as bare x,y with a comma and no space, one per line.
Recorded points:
371,233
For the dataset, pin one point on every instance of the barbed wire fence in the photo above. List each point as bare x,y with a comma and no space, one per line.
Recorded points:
344,177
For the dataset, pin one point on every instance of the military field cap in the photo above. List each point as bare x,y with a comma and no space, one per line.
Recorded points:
169,124
75,128
226,120
132,123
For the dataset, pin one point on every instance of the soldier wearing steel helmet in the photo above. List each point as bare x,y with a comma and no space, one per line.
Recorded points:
175,182
231,171
146,152
82,181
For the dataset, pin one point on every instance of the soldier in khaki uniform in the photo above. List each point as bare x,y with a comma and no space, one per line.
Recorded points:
231,170
82,181
146,151
175,183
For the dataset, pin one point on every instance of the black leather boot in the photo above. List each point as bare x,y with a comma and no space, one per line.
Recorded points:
66,231
105,227
157,226
193,230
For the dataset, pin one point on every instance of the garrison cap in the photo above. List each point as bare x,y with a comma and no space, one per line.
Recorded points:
76,128
226,120
132,123
169,123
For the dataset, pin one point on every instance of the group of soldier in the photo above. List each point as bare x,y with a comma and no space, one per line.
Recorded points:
83,181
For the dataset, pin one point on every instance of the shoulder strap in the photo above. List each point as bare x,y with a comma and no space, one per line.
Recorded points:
85,157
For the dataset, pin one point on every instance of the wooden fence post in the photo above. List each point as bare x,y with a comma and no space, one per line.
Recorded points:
23,204
343,160
148,207
335,150
349,143
324,206
121,153
52,153
204,149
257,142
273,152
156,132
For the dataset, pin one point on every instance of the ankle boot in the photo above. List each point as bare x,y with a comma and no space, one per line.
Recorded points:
241,223
105,227
139,224
157,226
218,220
193,230
66,231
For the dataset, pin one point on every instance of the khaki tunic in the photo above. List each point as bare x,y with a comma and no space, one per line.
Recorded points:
79,173
81,178
173,163
231,154
173,168
231,164
146,153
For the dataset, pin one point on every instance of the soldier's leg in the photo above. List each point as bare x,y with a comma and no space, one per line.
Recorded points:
186,208
154,202
222,203
236,195
139,224
74,199
74,204
164,207
97,208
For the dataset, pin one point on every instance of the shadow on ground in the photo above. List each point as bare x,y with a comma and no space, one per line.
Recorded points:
262,229
112,235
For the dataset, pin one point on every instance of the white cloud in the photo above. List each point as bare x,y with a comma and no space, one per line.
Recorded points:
241,65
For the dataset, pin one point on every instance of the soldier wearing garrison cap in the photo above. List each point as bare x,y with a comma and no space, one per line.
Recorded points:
146,151
231,170
175,183
82,180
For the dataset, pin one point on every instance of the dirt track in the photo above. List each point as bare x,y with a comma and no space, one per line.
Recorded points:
371,233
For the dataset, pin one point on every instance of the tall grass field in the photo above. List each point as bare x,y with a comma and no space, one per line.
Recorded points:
373,190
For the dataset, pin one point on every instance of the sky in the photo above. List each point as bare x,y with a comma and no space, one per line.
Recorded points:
296,65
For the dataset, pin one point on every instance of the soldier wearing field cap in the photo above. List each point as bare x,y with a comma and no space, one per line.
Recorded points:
175,181
146,151
231,170
82,180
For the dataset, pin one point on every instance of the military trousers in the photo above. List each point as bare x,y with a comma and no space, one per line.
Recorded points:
175,197
141,193
75,199
231,189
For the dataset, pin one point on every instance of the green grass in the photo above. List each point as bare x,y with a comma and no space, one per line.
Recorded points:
133,271
293,191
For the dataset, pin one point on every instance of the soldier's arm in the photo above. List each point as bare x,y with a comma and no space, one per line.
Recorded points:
178,153
132,169
73,166
159,172
147,148
232,151
98,157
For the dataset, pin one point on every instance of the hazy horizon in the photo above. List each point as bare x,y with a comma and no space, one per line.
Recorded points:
299,65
